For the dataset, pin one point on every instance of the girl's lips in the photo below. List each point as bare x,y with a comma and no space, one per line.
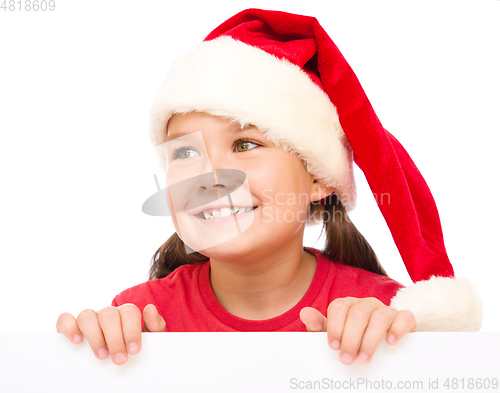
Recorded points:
222,220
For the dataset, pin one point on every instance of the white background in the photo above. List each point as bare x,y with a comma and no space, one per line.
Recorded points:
76,164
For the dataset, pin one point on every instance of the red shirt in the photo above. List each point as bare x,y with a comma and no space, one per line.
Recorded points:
187,303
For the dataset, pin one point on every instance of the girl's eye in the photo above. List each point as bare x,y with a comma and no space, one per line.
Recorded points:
244,145
185,152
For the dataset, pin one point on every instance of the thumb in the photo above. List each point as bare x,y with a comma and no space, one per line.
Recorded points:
313,319
153,322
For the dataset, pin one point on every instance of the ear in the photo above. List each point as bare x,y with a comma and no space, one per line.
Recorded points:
320,191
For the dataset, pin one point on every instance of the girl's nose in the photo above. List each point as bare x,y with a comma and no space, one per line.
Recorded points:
223,180
207,188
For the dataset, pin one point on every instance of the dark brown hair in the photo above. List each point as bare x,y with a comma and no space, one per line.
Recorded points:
344,244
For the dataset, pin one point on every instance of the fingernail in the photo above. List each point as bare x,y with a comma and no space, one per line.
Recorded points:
133,348
334,344
362,358
346,358
120,358
103,353
77,338
391,339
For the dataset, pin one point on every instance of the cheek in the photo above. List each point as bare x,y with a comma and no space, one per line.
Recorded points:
284,192
278,173
290,179
172,214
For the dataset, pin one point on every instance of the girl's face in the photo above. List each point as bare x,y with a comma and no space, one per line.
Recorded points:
213,165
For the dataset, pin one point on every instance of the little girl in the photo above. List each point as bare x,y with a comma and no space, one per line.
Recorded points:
258,128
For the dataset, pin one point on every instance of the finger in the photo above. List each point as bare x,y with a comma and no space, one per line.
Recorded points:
153,322
313,319
403,323
89,325
378,325
355,326
336,317
111,326
66,324
130,316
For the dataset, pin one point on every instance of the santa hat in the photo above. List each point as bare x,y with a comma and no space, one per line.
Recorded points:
282,73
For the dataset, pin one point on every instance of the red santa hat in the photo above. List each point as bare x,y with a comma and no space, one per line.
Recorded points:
282,73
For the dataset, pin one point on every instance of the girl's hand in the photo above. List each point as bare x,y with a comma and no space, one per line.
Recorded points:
356,326
114,331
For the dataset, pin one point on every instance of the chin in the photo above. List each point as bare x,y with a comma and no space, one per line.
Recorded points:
228,251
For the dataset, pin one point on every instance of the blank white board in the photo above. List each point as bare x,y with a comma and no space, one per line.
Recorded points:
249,362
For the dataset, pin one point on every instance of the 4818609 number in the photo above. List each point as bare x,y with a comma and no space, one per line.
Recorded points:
28,5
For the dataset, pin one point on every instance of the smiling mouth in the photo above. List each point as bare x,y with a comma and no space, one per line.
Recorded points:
210,214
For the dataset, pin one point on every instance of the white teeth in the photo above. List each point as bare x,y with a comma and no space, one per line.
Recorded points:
225,212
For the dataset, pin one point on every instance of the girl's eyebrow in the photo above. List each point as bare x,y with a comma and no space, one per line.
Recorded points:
232,128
